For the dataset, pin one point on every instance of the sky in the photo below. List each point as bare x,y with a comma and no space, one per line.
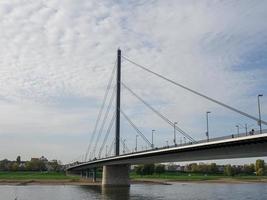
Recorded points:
56,57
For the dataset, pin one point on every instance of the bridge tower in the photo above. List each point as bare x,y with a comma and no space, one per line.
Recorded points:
118,105
117,175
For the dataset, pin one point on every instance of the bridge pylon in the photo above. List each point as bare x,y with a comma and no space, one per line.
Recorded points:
118,105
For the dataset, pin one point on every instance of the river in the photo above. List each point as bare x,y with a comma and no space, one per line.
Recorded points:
176,191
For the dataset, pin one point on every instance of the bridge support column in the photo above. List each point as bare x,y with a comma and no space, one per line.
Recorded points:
94,175
116,175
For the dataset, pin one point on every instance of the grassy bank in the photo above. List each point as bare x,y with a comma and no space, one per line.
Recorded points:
35,176
196,177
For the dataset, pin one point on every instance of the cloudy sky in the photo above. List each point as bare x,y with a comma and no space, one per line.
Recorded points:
56,57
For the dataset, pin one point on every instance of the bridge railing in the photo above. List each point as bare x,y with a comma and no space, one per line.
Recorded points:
233,136
188,143
201,141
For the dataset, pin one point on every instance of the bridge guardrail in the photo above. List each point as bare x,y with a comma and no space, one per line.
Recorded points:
185,144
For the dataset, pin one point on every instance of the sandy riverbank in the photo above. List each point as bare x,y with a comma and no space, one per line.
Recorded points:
136,181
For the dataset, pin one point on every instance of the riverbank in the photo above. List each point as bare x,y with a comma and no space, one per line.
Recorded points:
34,178
48,182
53,178
221,180
86,182
200,178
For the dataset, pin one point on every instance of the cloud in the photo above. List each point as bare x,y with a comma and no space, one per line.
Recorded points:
56,57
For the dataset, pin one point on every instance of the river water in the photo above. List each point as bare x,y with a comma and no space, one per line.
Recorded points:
177,191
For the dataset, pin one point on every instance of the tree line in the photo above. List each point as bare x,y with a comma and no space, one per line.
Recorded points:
35,164
149,169
259,168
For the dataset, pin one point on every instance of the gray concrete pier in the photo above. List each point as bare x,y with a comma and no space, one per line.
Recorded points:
116,175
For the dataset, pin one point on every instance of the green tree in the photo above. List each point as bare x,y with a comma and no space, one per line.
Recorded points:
213,168
14,166
259,164
193,167
228,170
252,167
9,166
259,167
203,168
35,165
28,166
4,165
260,172
139,169
148,169
18,159
159,169
248,169
55,165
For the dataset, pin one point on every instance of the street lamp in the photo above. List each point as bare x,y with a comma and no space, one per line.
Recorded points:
259,107
207,118
174,133
136,142
167,143
237,126
246,127
152,139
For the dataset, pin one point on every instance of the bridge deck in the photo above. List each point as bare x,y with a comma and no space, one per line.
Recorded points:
237,147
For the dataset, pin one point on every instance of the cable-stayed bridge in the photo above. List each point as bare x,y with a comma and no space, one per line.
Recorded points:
117,157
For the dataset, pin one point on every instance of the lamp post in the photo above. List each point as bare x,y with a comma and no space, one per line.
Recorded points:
259,107
246,127
237,128
152,139
167,143
207,118
174,133
136,142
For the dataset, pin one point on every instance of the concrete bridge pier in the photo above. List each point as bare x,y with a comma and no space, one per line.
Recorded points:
89,174
116,175
94,175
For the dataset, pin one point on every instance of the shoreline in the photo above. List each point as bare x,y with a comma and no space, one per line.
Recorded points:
47,182
84,182
217,181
